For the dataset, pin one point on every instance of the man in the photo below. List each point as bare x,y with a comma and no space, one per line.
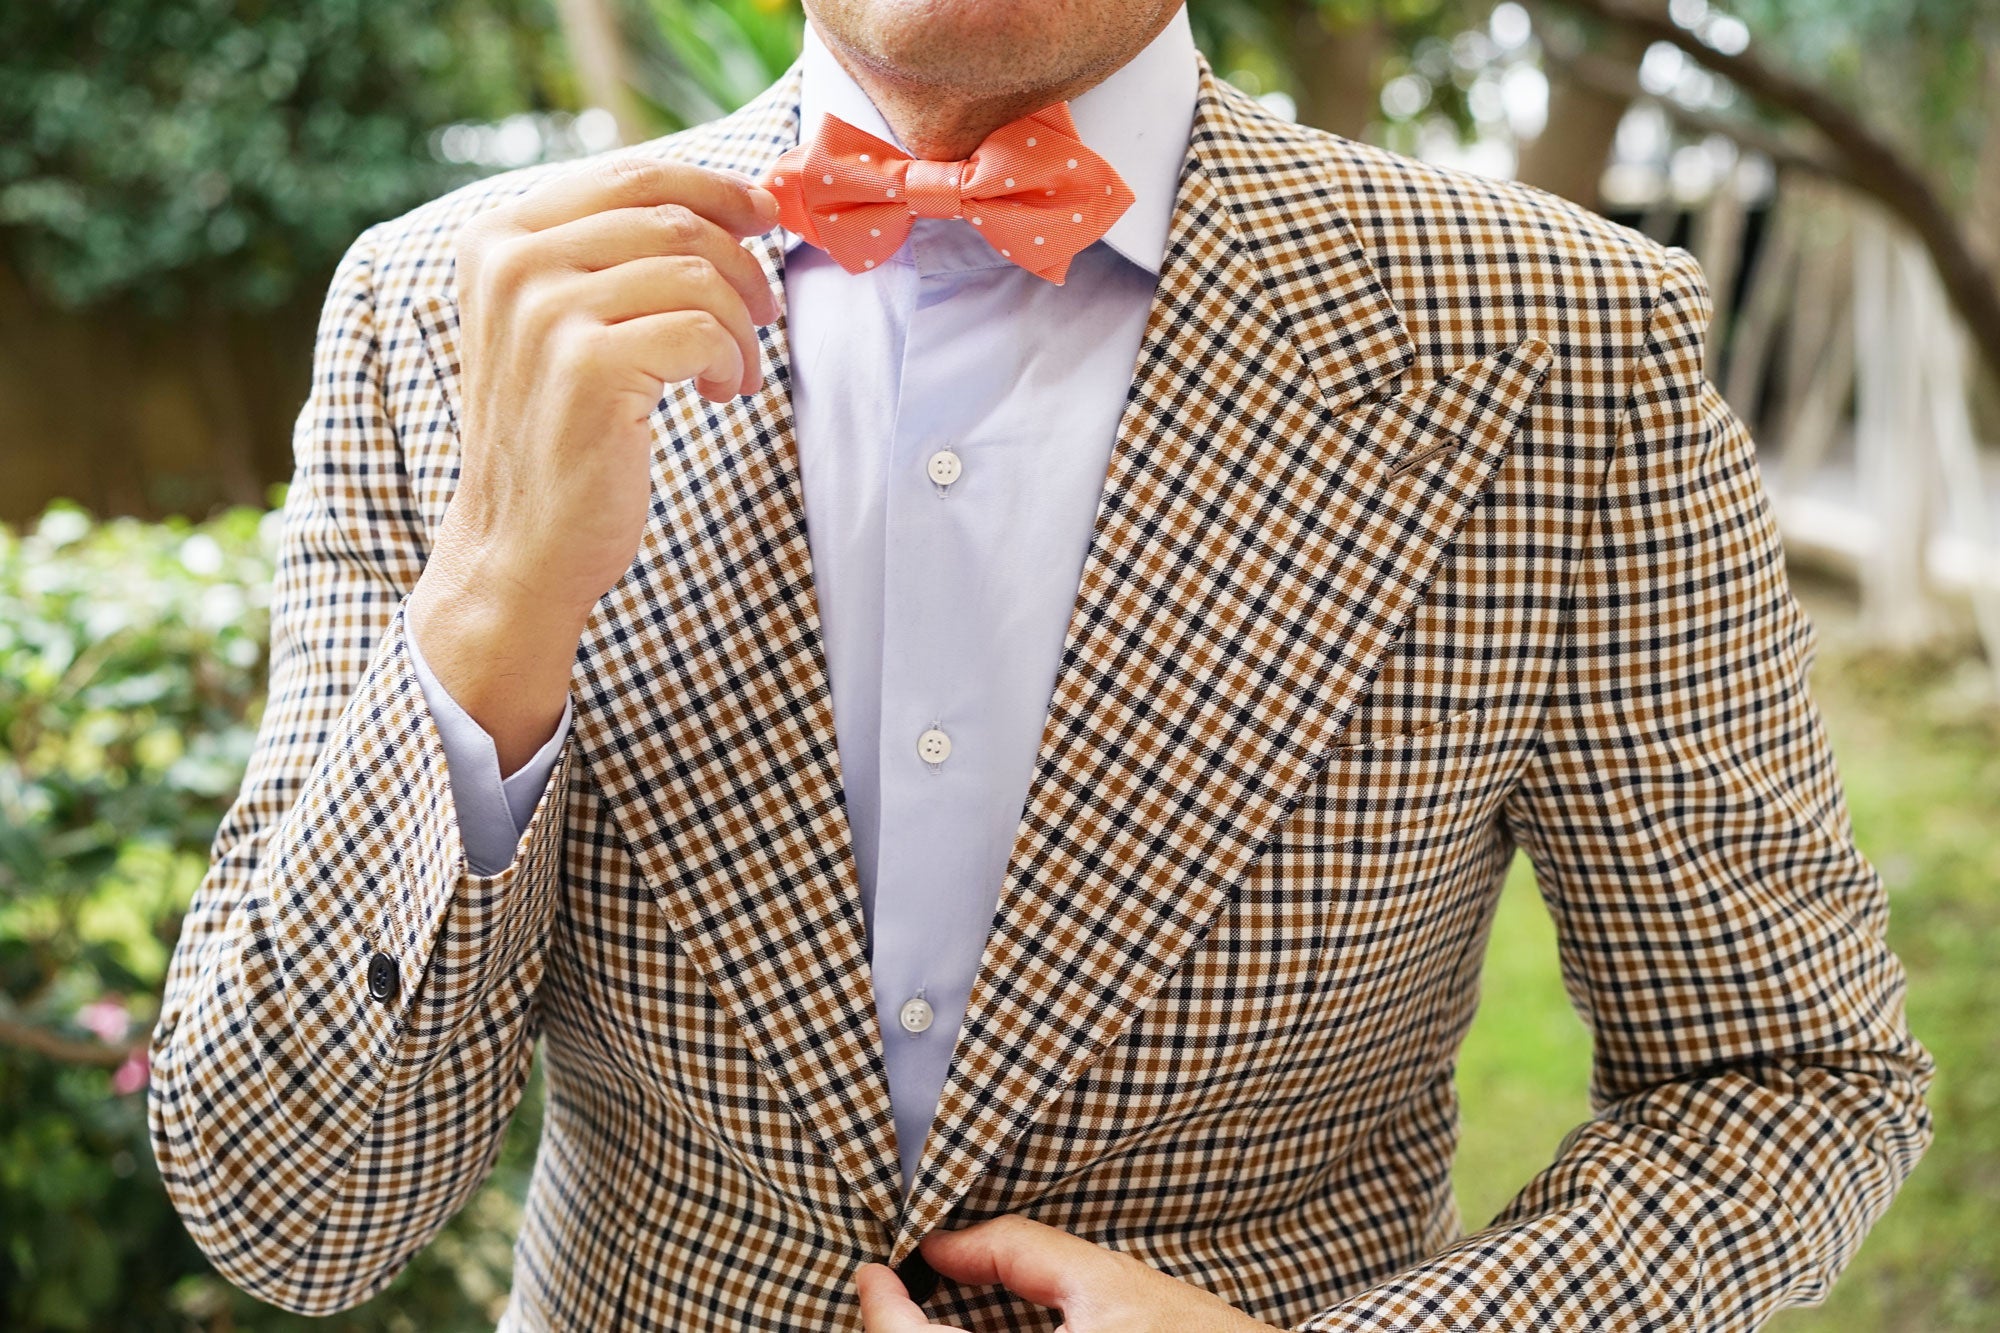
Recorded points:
1009,762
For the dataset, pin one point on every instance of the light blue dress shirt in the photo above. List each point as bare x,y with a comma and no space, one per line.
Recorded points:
954,418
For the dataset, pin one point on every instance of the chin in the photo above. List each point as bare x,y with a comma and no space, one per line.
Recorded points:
994,45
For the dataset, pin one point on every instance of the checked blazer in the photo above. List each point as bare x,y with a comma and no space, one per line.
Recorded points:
1424,540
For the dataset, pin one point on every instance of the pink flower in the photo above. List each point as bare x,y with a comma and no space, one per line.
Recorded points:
131,1076
107,1019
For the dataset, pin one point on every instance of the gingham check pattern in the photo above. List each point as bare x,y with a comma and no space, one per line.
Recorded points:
1423,539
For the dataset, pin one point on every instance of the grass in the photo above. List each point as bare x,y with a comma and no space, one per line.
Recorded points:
1918,744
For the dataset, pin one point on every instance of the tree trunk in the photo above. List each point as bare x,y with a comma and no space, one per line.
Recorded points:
1771,280
1983,225
1895,466
1569,156
1336,70
1717,241
598,49
1818,370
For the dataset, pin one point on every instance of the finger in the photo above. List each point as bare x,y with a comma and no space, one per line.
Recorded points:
886,1306
628,181
621,235
663,283
1039,1262
676,345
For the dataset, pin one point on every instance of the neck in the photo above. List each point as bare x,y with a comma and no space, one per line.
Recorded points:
947,125
946,121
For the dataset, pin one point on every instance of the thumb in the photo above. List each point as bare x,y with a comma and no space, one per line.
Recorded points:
1031,1259
886,1306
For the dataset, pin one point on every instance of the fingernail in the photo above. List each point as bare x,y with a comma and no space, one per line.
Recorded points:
765,203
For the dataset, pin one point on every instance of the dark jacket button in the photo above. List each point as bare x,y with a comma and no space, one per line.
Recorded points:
918,1276
382,979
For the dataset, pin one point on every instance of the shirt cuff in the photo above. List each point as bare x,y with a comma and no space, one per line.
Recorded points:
491,811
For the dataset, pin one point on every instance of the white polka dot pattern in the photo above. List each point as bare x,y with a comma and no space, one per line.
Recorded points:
1042,187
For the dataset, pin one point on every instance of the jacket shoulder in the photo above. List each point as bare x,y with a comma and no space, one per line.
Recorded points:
1470,261
1400,202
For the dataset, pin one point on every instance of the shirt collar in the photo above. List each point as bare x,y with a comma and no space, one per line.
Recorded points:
1138,119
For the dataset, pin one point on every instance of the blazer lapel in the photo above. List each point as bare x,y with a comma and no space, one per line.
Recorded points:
703,715
1269,517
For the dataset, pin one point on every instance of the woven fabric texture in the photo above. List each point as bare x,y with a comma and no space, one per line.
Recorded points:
1424,539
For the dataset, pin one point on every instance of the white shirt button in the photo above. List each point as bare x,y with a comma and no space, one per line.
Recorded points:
934,747
916,1014
945,467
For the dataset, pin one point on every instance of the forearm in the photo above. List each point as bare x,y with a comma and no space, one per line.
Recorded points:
493,807
285,1085
1701,1206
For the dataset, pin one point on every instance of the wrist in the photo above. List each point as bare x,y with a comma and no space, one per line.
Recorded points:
484,584
474,604
503,659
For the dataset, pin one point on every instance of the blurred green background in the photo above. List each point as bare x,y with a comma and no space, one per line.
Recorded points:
177,178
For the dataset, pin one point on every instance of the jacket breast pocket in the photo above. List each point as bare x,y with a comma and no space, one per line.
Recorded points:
1381,790
1393,840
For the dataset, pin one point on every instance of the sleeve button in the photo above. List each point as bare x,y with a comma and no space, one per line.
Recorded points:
383,982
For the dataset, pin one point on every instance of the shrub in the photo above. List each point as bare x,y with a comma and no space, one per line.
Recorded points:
132,662
221,153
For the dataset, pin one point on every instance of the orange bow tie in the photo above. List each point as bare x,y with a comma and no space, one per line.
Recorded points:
1033,190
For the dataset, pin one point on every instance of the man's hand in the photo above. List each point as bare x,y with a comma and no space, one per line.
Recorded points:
1097,1290
577,302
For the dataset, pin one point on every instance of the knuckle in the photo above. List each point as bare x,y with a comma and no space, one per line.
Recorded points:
506,266
469,237
536,306
696,271
704,326
580,345
471,241
677,222
625,174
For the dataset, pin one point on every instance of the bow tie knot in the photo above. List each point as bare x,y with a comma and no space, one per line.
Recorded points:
1032,189
934,189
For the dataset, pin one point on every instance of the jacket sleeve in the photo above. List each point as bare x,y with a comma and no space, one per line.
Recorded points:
1757,1095
314,1137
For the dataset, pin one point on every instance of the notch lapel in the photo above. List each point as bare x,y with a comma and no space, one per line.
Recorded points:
1255,552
